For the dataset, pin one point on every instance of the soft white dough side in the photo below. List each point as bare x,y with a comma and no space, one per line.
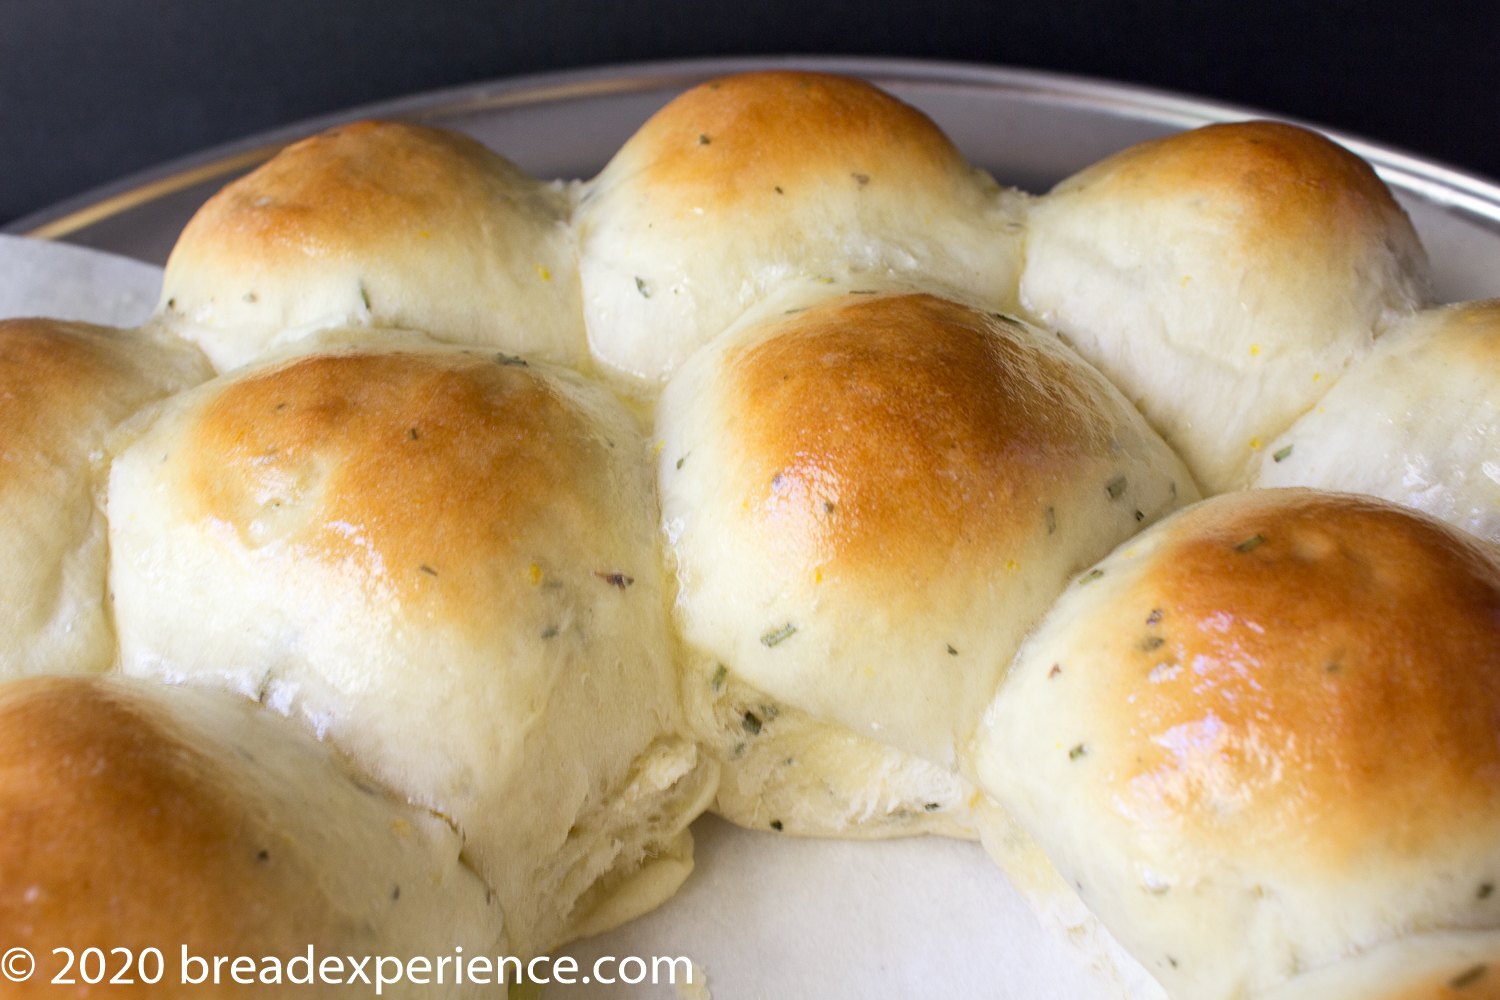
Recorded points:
1224,279
442,560
63,389
1417,423
744,184
1440,966
386,225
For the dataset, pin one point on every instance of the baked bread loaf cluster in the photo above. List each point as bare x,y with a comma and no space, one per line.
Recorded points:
449,540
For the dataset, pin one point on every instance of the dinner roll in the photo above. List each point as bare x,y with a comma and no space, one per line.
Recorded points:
63,388
870,500
1223,278
1261,737
442,560
137,815
747,181
1418,422
384,224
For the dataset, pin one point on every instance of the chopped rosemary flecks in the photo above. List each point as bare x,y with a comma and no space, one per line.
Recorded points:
828,507
1051,520
396,894
615,579
776,825
364,294
951,650
1251,544
1079,751
751,723
861,179
1467,979
1091,576
717,681
1282,454
863,291
550,632
779,191
703,140
1486,889
263,856
427,569
681,460
640,286
413,433
1139,516
779,635
933,807
508,359
1150,643
1154,616
1115,486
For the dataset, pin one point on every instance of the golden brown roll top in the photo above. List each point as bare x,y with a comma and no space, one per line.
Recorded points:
443,560
386,224
1417,422
1262,736
870,500
748,181
141,816
1224,278
63,388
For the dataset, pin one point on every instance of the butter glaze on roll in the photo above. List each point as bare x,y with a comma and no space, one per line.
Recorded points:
384,224
1262,737
1223,278
1417,423
63,388
443,561
745,182
140,815
869,501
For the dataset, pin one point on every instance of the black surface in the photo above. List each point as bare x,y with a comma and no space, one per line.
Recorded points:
91,90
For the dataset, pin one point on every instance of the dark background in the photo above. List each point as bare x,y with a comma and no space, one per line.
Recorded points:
91,90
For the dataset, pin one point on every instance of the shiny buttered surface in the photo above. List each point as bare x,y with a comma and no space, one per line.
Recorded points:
1263,736
525,521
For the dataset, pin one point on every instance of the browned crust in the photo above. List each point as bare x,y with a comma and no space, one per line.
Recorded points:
116,832
903,434
1307,675
753,141
421,473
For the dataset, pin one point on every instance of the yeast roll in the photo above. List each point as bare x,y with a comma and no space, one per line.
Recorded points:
443,561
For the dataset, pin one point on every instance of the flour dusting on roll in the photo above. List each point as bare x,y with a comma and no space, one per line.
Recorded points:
386,224
746,182
1223,278
443,561
869,499
1260,738
63,388
1418,422
138,815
